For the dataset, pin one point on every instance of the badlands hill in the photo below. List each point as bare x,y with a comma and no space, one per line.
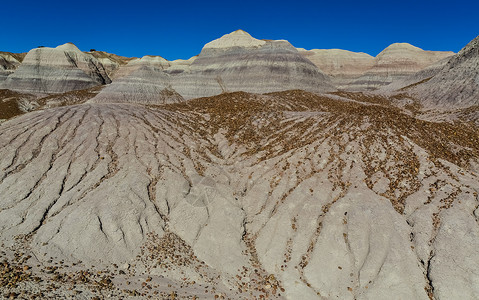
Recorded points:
56,70
141,81
360,71
234,62
141,188
456,84
239,62
412,80
343,66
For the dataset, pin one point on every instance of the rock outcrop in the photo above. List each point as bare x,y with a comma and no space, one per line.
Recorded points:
111,62
8,63
457,82
56,70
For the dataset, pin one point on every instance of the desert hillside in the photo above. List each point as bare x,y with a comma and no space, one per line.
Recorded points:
116,181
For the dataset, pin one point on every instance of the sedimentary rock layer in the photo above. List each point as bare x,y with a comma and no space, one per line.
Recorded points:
234,62
414,79
456,84
145,84
56,70
111,62
137,63
360,71
396,62
341,65
238,62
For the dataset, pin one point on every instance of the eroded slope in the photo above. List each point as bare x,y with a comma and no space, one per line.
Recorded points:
282,195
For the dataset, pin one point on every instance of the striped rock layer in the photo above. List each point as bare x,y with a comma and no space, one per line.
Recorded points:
360,71
457,82
56,70
235,62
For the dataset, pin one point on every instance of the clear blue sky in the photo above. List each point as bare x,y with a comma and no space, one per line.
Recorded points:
179,29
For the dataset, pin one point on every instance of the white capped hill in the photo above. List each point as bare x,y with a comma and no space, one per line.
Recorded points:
238,38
